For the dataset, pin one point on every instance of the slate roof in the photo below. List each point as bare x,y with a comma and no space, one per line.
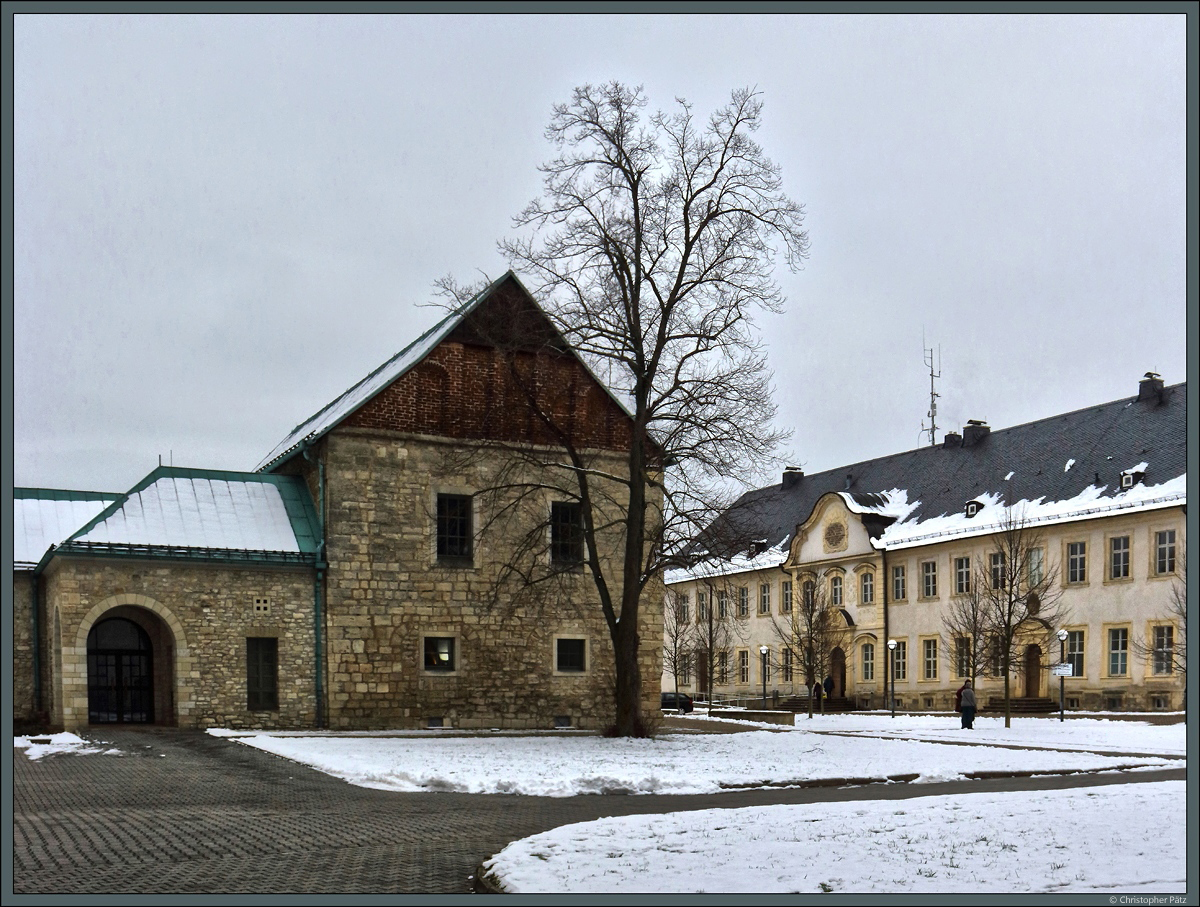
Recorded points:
199,513
1064,467
43,517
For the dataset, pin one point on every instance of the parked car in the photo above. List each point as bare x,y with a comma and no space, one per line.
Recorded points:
677,702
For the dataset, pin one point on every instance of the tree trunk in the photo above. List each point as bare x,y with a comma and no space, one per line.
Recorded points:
628,721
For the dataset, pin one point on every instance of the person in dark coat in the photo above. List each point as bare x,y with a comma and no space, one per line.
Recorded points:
958,696
828,687
968,706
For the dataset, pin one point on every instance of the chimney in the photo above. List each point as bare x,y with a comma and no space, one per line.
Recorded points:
974,432
1150,389
849,481
952,439
792,476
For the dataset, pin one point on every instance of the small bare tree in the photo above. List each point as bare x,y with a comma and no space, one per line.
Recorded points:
1168,655
811,631
966,624
1021,596
677,638
719,627
652,248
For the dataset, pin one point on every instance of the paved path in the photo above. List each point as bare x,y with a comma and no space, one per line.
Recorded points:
186,812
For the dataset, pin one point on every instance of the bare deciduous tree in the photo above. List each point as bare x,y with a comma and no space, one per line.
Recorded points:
811,631
677,638
966,624
1168,655
652,248
1021,595
720,625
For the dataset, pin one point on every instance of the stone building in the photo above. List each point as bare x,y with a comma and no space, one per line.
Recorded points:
409,556
1079,519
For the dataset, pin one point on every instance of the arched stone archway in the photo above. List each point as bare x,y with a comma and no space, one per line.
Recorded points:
169,661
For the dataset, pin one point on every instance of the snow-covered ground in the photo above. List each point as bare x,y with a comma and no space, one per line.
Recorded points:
849,747
1116,838
38,745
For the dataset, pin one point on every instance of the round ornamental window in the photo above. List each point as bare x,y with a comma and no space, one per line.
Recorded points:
835,535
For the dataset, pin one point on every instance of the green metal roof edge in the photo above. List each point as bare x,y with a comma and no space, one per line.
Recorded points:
62,494
181,553
294,502
445,326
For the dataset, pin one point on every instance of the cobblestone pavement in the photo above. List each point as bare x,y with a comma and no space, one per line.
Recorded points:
183,812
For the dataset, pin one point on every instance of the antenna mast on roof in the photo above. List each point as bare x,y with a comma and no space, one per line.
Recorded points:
933,394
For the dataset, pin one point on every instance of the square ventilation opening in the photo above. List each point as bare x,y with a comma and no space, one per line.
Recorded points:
262,606
562,720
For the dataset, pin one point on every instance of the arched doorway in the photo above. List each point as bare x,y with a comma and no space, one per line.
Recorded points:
120,673
1033,671
837,670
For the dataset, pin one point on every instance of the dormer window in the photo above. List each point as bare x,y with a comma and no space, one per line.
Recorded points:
758,546
1131,477
973,507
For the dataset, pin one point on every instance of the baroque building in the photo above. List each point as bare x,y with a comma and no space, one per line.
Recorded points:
881,580
409,556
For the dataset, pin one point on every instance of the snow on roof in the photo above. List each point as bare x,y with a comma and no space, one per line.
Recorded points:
332,413
742,563
174,509
44,517
893,503
992,517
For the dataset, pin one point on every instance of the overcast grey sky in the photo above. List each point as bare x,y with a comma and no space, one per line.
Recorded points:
221,223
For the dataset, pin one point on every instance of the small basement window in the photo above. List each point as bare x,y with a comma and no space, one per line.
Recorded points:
562,720
439,653
435,722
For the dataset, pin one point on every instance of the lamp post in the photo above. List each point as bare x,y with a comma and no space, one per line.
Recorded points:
1062,678
763,650
891,674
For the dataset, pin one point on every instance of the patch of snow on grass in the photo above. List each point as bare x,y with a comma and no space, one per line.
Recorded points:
38,745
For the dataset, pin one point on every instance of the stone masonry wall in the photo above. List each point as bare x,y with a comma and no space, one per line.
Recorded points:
23,704
386,593
198,617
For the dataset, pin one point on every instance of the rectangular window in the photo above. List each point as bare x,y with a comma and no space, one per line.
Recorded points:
743,602
1118,561
1037,567
786,605
571,654
1075,652
722,605
768,671
1163,661
262,674
998,563
722,667
1164,552
685,668
899,593
786,656
835,591
743,666
810,594
868,661
566,533
439,653
454,534
962,656
900,661
1077,562
962,576
764,599
681,605
701,607
1118,652
866,588
930,659
929,579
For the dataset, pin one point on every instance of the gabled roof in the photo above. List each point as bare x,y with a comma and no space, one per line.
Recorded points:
43,517
1066,467
201,513
330,415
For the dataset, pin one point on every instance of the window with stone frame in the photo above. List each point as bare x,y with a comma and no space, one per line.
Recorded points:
785,605
764,598
899,587
455,535
439,654
930,658
1077,562
1118,652
1036,565
835,591
962,576
685,668
1162,659
1075,652
1164,552
786,658
867,654
566,533
681,603
1118,557
866,588
962,656
900,661
262,674
998,563
571,655
722,604
743,666
929,579
701,607
723,666
743,605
